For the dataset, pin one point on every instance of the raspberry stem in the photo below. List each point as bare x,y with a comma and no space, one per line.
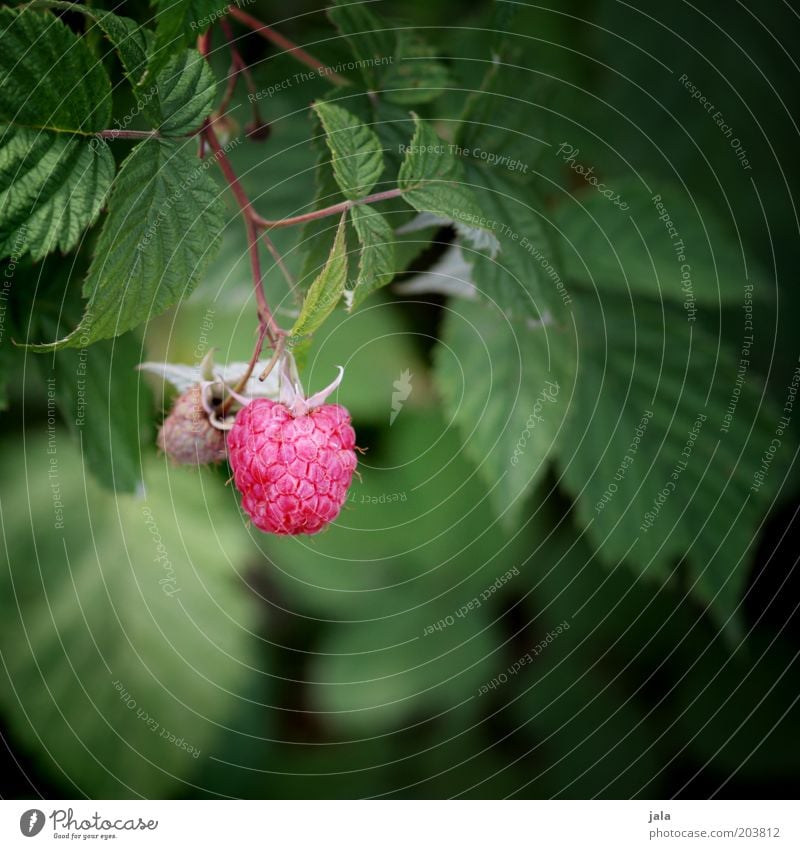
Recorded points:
238,67
273,331
284,43
268,327
336,209
262,331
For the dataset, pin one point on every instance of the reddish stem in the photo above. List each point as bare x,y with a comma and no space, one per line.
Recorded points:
239,65
336,209
265,316
262,332
278,259
230,88
268,327
284,43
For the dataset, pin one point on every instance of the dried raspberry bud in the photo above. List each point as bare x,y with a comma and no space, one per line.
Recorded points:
227,128
187,436
258,130
192,432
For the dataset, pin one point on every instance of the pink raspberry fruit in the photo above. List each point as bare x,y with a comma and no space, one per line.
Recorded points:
293,470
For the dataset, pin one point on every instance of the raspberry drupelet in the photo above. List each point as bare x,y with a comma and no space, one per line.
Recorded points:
293,469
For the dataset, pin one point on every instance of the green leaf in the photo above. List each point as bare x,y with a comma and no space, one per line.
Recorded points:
356,154
52,187
368,564
664,444
591,730
432,179
318,234
49,78
737,712
502,123
621,236
629,623
325,292
376,264
6,354
366,682
185,90
523,275
103,404
131,41
370,39
178,24
507,390
162,230
126,629
415,76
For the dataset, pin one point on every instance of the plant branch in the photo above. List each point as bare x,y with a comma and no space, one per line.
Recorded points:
284,43
278,260
273,331
238,66
336,209
236,56
268,327
242,383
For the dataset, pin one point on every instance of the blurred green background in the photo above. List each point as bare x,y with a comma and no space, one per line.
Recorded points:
154,644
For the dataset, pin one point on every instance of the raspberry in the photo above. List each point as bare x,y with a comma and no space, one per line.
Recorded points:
293,469
187,437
